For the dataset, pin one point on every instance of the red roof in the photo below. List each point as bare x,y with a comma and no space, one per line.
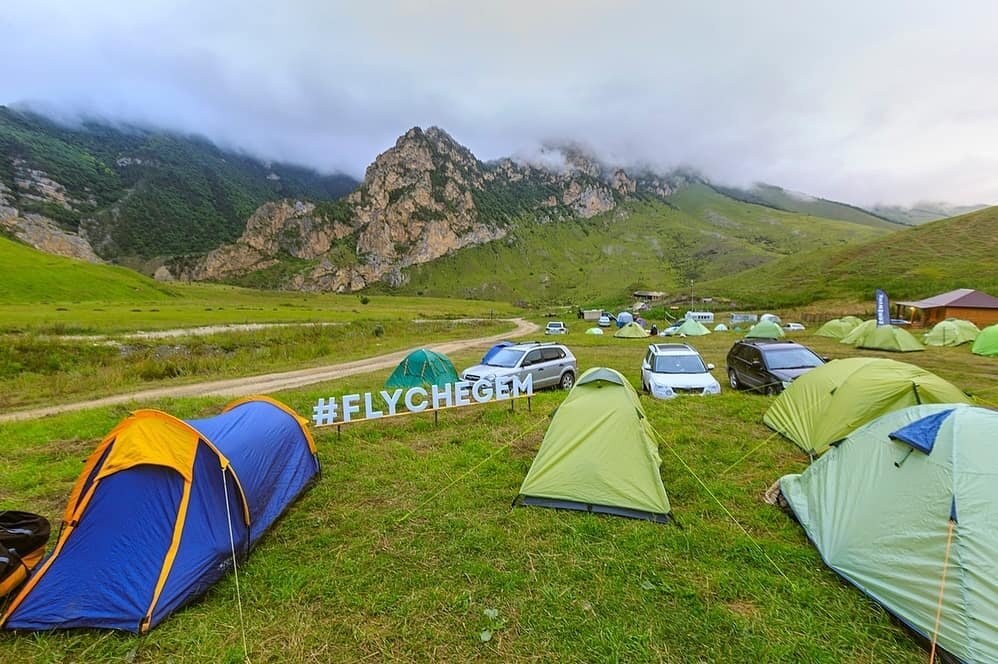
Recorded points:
961,297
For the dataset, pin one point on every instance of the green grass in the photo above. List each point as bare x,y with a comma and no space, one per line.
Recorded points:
961,252
403,545
699,235
779,197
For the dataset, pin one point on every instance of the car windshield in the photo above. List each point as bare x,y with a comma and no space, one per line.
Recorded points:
505,358
678,364
791,358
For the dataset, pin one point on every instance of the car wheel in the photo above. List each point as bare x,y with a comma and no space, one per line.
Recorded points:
567,381
772,390
733,380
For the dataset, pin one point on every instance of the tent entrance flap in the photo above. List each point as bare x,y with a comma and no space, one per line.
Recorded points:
554,503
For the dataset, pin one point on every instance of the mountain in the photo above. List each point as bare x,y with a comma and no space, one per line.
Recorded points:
131,194
923,212
960,252
794,201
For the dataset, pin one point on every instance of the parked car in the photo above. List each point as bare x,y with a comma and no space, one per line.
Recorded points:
669,370
794,327
899,322
671,330
604,321
550,365
555,327
769,365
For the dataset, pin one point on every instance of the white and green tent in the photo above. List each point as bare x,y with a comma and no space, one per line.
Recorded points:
599,454
904,509
692,328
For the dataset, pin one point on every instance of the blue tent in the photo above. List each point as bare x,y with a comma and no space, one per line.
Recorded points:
495,349
624,317
159,512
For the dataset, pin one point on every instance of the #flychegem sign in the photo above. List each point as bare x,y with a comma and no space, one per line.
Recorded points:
357,407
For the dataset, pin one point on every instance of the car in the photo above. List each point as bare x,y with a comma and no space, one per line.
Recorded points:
555,327
794,327
669,370
899,322
671,330
604,321
769,365
549,364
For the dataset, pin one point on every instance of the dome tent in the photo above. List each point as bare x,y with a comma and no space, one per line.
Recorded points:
852,321
720,327
160,510
765,329
856,335
631,331
834,329
692,328
422,367
624,317
951,332
986,343
825,404
903,509
890,338
599,454
595,330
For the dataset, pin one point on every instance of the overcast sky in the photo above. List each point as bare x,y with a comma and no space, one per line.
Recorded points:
864,101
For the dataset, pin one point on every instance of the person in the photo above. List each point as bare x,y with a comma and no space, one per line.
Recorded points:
654,330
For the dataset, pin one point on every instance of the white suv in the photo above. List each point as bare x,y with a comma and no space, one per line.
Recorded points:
672,369
555,327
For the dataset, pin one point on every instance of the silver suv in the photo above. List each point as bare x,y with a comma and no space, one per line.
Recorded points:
548,364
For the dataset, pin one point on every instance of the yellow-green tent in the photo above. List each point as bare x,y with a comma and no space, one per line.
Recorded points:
828,402
765,329
890,338
859,332
631,331
692,328
835,329
986,343
951,332
853,321
599,454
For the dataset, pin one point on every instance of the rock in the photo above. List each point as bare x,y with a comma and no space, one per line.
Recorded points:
45,235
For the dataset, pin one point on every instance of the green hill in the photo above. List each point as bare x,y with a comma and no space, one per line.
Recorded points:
783,199
31,276
696,234
142,193
961,252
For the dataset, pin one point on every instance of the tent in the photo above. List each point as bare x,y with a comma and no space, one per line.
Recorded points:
986,342
720,327
951,332
599,454
631,331
495,349
904,510
594,330
692,328
828,402
834,329
422,367
859,332
160,511
890,338
765,329
852,321
623,318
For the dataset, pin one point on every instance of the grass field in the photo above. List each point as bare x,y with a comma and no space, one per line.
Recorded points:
961,252
408,539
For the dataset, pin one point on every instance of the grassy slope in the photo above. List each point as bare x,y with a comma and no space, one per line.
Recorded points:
818,207
701,235
918,262
406,541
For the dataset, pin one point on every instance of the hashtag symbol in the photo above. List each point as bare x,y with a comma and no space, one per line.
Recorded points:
324,412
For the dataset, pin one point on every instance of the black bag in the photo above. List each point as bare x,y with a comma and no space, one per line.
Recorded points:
23,537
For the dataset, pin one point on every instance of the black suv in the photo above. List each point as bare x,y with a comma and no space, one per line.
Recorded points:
769,365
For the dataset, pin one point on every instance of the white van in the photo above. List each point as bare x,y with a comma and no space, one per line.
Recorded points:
700,316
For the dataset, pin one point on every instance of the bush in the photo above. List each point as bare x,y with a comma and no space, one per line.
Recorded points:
379,331
364,299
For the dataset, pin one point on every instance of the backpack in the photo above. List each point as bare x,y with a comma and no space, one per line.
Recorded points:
23,537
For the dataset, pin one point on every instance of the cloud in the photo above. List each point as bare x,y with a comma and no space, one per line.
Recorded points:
867,102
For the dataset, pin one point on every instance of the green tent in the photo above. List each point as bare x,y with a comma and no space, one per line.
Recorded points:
901,503
594,330
951,332
834,329
599,454
422,367
856,335
765,330
852,321
890,338
692,328
828,402
631,331
720,327
987,342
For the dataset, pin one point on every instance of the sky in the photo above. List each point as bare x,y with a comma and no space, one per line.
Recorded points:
867,102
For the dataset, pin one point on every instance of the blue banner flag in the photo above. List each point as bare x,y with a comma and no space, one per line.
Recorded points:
883,308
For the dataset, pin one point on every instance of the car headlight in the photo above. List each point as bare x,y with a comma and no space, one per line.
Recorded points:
662,390
712,389
786,383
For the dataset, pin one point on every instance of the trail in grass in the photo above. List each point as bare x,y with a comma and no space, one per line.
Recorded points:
272,382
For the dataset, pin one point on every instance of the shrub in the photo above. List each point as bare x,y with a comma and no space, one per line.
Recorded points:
379,331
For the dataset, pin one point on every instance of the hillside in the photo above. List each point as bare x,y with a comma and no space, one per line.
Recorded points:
31,276
961,252
921,213
136,193
792,201
695,233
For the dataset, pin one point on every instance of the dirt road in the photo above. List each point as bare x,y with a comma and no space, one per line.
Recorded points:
272,382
